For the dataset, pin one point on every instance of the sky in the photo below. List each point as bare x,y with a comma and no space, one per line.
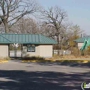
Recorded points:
78,11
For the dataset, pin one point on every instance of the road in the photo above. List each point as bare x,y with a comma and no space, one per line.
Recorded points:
16,75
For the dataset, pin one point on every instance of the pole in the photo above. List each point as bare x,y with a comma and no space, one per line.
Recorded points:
15,49
21,50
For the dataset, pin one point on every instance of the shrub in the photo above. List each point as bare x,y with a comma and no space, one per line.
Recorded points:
7,58
4,58
86,51
76,51
33,58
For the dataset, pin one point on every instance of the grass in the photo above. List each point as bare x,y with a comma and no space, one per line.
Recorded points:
4,60
54,59
71,57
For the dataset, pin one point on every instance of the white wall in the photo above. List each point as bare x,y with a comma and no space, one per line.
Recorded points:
46,50
80,45
40,50
3,50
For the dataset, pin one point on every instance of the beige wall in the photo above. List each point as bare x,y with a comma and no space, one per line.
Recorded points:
3,50
46,50
80,45
40,50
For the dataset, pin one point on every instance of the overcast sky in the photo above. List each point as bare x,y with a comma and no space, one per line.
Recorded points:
78,11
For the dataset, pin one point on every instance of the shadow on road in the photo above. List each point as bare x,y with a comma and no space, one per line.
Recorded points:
42,61
22,80
71,64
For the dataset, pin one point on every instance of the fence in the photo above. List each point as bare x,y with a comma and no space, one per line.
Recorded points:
62,52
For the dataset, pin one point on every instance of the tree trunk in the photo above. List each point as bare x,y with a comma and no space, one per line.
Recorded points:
61,47
58,45
6,27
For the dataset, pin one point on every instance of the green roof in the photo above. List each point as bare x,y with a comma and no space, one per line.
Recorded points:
81,40
26,39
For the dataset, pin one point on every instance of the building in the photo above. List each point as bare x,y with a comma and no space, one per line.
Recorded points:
31,44
80,41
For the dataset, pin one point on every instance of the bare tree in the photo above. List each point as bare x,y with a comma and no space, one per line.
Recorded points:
25,25
54,18
2,29
12,10
74,33
47,30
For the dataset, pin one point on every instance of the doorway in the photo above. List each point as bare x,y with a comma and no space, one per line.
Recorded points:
15,50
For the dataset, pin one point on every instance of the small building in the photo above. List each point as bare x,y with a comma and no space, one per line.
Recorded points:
81,40
31,44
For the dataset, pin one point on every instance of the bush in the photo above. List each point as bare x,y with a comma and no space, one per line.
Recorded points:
86,51
33,58
7,58
4,58
76,51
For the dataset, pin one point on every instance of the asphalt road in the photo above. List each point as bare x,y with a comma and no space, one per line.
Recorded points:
15,75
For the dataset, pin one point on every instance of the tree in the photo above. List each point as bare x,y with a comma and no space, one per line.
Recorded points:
2,29
54,18
73,34
12,10
25,25
47,30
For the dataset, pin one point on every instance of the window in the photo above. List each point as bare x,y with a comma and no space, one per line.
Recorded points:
30,48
